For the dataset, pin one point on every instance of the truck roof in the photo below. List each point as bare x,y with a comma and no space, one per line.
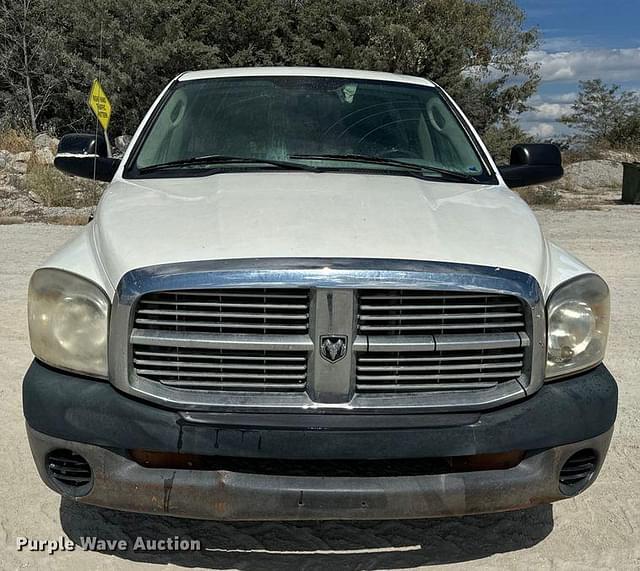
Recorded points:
302,72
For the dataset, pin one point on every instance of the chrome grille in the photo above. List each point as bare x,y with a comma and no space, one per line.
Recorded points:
254,311
398,312
437,370
421,340
221,369
475,342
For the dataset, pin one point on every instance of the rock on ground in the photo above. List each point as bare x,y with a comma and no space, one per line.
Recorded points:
45,141
589,184
18,205
44,156
590,175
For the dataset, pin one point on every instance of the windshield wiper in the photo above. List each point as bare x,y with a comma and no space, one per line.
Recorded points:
225,159
414,168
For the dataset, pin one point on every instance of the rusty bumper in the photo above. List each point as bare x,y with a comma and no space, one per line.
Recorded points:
120,483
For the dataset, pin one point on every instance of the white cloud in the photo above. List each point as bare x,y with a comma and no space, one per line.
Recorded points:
550,111
541,119
566,97
545,110
610,65
564,60
607,64
541,130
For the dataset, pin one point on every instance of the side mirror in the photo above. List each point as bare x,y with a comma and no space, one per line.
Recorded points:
84,155
532,164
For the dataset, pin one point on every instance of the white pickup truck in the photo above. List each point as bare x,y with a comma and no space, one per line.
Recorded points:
311,294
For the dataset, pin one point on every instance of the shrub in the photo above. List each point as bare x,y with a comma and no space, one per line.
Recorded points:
539,196
15,141
57,189
501,137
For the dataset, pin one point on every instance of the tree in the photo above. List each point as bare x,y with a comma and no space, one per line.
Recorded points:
146,43
626,135
501,137
601,113
29,60
477,49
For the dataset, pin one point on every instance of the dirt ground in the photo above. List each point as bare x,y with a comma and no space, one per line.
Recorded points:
600,529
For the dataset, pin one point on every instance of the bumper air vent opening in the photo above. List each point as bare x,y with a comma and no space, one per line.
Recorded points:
578,471
69,472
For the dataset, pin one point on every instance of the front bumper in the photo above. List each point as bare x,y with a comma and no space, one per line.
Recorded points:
94,420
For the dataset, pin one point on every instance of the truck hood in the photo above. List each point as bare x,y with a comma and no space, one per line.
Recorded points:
322,215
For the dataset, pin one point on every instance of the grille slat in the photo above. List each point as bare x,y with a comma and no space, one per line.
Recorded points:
228,341
227,369
225,385
163,374
424,387
439,327
252,293
411,295
403,359
437,316
70,471
256,310
240,358
474,367
403,307
71,461
445,376
232,366
235,305
184,324
211,314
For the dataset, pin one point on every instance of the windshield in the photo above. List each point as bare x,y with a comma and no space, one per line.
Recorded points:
324,123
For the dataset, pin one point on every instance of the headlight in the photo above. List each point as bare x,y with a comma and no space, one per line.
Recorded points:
68,322
577,325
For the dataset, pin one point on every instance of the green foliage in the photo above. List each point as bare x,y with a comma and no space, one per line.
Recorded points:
537,196
605,115
626,134
57,189
501,137
474,48
15,141
32,53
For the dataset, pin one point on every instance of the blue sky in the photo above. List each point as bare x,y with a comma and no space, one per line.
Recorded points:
581,39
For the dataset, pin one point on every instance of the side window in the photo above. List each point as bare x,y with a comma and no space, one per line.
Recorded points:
164,141
449,141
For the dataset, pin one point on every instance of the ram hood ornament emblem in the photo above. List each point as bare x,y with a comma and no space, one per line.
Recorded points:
333,347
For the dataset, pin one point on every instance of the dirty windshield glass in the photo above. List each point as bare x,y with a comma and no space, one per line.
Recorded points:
321,122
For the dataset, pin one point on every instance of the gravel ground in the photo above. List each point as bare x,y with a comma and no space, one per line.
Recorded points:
599,529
